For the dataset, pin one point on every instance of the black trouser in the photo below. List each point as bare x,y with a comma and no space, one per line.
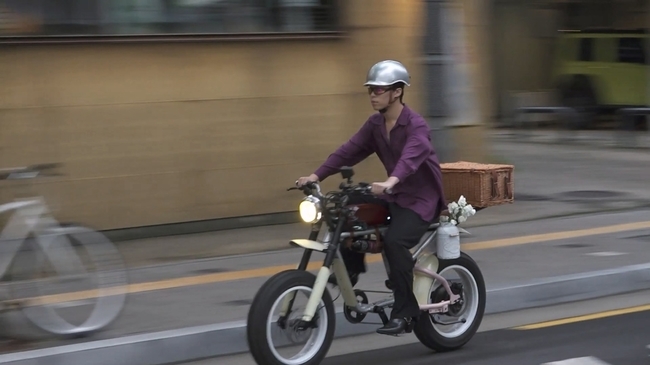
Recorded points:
405,231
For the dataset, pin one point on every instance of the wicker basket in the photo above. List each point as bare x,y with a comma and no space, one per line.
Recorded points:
483,185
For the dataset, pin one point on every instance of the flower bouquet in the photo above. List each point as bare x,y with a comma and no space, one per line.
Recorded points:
448,233
458,212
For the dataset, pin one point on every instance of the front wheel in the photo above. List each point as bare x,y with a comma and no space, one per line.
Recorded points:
267,331
71,279
452,330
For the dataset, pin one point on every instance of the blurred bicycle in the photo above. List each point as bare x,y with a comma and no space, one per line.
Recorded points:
40,256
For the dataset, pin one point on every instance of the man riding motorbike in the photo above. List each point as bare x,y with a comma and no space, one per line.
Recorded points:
401,139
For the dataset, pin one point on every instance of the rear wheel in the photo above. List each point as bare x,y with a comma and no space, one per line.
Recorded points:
446,331
268,333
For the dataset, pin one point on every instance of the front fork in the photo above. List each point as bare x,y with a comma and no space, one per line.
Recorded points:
322,277
287,303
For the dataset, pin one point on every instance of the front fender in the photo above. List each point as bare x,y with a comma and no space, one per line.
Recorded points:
308,245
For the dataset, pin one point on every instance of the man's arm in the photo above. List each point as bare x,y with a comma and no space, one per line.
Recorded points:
355,150
416,150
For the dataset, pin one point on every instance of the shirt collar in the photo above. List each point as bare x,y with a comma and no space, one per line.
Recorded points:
404,115
401,120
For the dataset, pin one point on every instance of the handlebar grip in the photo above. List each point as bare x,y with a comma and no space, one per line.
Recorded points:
307,185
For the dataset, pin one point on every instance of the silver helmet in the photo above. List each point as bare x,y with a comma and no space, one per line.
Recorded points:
386,73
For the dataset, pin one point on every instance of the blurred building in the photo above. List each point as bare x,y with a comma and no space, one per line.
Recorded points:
167,111
173,111
529,53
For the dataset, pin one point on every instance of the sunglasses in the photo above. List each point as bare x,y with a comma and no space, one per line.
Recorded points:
378,90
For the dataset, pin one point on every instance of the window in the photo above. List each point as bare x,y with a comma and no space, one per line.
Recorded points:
631,50
65,18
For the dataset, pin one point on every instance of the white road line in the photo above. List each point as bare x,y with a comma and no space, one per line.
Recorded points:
589,360
606,253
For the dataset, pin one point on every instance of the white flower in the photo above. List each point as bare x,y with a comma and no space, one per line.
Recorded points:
459,212
469,211
452,207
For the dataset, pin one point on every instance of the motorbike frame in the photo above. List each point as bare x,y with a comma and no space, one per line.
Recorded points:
336,219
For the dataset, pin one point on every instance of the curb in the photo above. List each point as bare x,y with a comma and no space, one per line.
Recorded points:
617,142
194,343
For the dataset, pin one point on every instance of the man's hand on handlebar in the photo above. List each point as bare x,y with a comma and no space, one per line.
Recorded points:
379,188
376,188
306,179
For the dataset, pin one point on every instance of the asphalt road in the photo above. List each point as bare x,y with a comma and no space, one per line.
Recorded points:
618,340
607,331
179,295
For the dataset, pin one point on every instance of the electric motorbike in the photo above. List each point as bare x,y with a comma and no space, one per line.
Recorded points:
451,311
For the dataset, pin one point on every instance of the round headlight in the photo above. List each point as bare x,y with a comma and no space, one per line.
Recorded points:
310,210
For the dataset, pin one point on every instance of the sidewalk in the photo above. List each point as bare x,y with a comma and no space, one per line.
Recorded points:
594,139
550,181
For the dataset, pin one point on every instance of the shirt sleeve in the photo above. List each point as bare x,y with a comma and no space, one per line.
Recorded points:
416,150
355,150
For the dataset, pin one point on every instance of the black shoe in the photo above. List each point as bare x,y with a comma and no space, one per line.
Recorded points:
354,278
395,327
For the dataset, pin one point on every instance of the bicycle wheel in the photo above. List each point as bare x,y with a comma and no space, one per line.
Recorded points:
64,248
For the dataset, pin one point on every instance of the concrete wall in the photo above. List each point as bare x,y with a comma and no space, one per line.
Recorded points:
161,133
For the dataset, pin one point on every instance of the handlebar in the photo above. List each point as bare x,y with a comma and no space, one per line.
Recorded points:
362,187
28,172
367,188
307,188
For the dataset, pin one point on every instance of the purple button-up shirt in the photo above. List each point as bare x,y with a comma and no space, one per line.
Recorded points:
407,155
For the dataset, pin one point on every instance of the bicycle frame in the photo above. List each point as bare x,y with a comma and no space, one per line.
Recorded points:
32,215
53,241
423,267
